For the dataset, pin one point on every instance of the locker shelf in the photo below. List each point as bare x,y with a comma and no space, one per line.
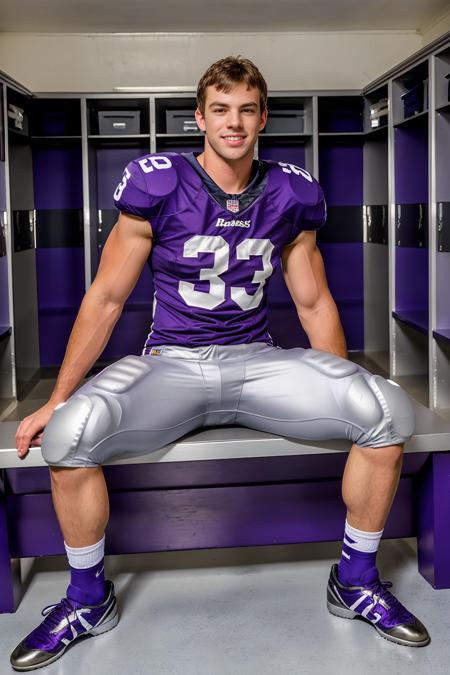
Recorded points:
378,131
379,360
415,318
4,331
343,133
287,135
412,119
415,385
445,413
442,334
55,138
100,137
194,134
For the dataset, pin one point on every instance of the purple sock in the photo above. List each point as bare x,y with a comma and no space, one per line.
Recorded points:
359,551
87,586
359,568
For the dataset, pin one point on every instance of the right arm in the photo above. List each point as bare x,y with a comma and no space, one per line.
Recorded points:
124,255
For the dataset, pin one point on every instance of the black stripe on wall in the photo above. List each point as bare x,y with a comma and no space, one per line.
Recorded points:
411,225
344,225
23,235
59,228
377,223
2,235
443,226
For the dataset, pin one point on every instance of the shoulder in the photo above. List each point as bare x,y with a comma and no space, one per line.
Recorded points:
157,175
296,184
150,185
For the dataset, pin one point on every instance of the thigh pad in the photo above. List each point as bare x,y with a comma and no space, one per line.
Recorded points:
122,375
375,404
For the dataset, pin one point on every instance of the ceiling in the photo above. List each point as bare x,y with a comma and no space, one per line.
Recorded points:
237,16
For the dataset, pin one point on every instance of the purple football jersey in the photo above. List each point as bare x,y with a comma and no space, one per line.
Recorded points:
211,266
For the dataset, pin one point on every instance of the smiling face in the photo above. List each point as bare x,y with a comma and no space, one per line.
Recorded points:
231,121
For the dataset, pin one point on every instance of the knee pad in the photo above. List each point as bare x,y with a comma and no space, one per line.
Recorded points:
382,409
76,427
377,406
401,410
86,419
363,406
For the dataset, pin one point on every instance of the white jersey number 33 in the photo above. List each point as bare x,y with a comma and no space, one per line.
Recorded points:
216,294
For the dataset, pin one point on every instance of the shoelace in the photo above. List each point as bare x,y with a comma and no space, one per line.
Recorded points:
379,591
53,618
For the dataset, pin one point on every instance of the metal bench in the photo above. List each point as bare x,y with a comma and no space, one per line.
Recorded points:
225,487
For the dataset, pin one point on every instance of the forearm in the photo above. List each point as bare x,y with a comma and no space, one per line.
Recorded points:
90,334
324,329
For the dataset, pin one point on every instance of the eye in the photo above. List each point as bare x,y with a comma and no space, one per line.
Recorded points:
218,110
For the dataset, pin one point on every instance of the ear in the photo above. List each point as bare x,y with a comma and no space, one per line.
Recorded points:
199,118
263,121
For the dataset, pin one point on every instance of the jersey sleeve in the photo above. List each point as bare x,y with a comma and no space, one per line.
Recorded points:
298,197
314,216
131,195
147,186
310,210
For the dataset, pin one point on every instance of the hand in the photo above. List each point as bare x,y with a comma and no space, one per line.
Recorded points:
31,429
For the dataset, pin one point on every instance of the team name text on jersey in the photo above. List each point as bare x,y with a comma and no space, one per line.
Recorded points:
221,222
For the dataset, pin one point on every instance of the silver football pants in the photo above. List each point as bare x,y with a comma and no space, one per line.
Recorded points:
141,403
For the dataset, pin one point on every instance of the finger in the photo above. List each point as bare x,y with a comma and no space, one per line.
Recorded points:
36,441
22,452
23,428
26,438
20,430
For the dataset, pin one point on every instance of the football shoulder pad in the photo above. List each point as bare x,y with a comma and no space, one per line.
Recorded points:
303,187
147,183
299,197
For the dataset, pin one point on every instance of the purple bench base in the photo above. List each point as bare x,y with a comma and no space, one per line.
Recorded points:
214,504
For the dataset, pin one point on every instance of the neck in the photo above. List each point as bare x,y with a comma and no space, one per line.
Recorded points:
232,176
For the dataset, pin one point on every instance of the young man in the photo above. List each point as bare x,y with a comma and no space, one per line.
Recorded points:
217,225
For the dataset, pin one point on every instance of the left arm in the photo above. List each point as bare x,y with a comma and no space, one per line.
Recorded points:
304,274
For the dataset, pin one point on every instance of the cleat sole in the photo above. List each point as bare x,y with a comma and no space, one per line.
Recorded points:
403,643
105,627
344,613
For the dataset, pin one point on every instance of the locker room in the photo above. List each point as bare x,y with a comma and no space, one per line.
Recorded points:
219,544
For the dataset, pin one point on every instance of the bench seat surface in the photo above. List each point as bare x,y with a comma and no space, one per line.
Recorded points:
218,443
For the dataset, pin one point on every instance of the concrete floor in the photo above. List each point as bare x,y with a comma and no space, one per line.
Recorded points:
252,611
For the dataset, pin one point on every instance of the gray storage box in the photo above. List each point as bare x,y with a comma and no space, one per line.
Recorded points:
415,100
17,119
379,113
285,122
181,122
119,122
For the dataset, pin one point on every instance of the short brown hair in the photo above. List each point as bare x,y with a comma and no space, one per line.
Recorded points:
226,73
